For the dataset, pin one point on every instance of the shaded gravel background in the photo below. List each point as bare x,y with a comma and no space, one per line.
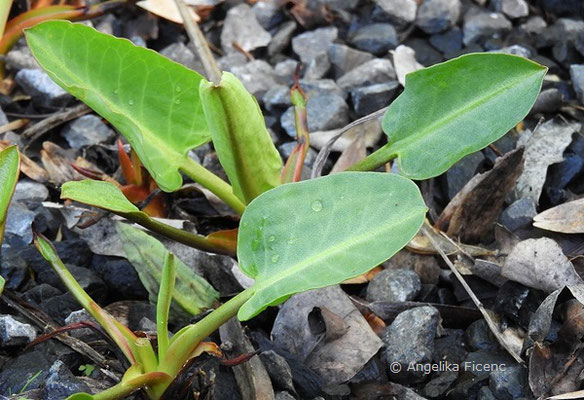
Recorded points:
335,343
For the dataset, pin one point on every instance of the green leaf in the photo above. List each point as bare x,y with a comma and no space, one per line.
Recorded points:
191,293
81,396
152,101
9,171
240,137
455,108
317,233
100,194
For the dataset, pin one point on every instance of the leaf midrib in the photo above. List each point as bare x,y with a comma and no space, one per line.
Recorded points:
453,115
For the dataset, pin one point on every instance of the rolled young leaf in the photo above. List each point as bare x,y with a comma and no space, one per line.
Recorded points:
240,137
453,109
151,100
320,232
9,171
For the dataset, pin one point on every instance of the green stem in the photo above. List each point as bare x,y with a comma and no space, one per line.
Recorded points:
190,239
374,160
146,354
180,349
218,186
125,388
163,304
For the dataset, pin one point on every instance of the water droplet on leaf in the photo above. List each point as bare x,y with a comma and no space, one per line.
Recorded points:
272,238
275,258
131,102
177,101
316,205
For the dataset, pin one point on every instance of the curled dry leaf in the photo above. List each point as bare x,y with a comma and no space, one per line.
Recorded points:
540,264
472,213
370,131
545,146
404,62
565,218
28,167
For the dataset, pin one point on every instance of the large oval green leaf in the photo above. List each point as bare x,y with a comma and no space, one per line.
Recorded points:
240,137
455,108
317,233
151,100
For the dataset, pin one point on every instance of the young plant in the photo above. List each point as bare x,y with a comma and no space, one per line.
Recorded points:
9,171
291,237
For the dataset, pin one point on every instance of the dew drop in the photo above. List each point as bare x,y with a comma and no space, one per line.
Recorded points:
116,91
178,89
177,101
272,239
131,102
275,258
316,205
291,240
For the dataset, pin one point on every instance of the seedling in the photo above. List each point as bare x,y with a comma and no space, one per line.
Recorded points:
292,237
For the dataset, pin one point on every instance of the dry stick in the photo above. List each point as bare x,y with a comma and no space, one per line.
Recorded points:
474,298
44,322
40,128
326,149
201,46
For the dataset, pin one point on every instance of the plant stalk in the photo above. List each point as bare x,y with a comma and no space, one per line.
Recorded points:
212,182
190,239
374,160
163,304
180,349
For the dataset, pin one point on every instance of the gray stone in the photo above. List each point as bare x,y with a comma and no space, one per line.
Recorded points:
15,333
514,8
400,11
267,13
19,221
27,191
147,325
481,26
284,72
577,75
344,58
449,42
534,25
232,60
119,275
13,268
320,86
61,383
22,369
435,16
376,38
372,98
277,97
409,341
86,131
318,67
339,4
516,50
80,316
462,172
287,148
278,369
309,44
44,92
324,111
485,394
182,54
478,336
394,285
282,38
257,76
241,26
509,383
519,214
549,101
284,396
426,54
379,70
21,58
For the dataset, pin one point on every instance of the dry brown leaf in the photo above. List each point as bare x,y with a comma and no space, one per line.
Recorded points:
166,9
540,264
356,151
404,62
472,213
565,218
364,278
57,162
28,167
421,245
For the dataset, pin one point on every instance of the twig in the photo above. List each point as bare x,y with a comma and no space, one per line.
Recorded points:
326,149
45,322
211,68
40,128
14,125
474,299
